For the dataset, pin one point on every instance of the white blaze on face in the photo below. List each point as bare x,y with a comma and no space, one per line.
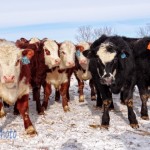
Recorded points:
104,55
67,55
10,57
51,54
34,40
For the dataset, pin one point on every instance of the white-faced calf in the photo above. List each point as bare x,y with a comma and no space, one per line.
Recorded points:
81,71
15,80
60,76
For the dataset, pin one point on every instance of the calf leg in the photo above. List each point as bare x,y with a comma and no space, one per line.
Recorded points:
128,96
57,95
16,111
47,93
121,98
105,96
93,92
107,102
99,101
105,116
68,95
22,106
2,112
36,97
81,94
143,90
63,92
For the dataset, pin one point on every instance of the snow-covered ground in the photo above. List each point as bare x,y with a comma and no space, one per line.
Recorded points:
78,129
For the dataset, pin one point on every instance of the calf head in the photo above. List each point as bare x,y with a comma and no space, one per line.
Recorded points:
51,57
107,58
83,61
67,55
11,59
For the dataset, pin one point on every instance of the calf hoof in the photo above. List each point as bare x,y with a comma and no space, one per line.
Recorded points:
41,111
122,102
2,113
66,108
93,98
57,99
111,109
16,112
30,130
81,98
145,117
44,106
134,126
105,126
98,107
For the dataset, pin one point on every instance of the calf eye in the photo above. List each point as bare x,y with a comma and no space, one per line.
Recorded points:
17,63
47,52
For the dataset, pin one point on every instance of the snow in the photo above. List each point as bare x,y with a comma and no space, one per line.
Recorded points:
78,129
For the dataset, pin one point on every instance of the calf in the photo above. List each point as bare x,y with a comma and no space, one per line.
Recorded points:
113,68
15,79
141,50
81,71
46,57
60,76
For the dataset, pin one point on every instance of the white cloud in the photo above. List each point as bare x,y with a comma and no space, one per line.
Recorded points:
97,13
18,13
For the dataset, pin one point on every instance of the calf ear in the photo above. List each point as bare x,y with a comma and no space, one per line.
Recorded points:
29,53
21,44
59,44
79,47
89,53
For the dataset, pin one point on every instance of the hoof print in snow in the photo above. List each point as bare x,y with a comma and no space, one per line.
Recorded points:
95,126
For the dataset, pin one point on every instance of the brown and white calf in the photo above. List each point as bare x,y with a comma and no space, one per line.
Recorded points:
46,57
15,80
81,71
60,76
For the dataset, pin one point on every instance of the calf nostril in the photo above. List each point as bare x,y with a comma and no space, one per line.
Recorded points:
13,77
57,61
5,78
9,78
71,63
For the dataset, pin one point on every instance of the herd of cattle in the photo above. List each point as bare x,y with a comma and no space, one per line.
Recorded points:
112,64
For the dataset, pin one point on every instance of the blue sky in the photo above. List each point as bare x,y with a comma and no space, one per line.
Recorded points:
60,19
